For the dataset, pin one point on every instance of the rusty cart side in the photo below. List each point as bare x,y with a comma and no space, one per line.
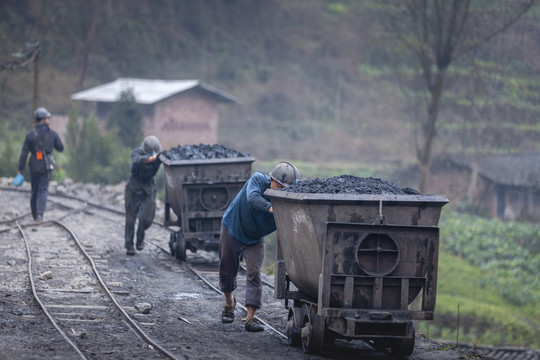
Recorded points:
198,192
353,264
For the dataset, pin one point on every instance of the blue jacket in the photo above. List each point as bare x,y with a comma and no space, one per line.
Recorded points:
247,218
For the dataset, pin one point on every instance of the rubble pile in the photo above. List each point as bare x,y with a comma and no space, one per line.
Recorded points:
349,184
202,152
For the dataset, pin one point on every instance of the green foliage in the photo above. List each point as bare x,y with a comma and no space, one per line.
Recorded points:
507,251
485,316
10,147
94,157
125,120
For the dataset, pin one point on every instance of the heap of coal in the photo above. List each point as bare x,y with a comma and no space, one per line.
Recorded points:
202,152
349,184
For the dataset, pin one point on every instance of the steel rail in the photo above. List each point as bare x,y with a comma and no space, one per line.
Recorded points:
200,276
103,285
126,316
165,250
55,324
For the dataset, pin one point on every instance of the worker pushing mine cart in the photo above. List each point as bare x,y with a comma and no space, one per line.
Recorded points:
198,191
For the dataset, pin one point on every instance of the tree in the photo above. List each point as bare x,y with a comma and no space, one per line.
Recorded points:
436,34
95,157
126,120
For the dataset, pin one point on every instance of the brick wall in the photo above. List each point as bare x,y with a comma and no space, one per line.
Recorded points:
188,118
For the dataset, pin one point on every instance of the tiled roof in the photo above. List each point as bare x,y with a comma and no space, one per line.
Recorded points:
508,169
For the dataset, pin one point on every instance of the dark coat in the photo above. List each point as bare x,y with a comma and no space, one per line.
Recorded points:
141,177
41,138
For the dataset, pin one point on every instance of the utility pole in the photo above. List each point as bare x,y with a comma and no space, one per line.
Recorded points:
36,81
27,53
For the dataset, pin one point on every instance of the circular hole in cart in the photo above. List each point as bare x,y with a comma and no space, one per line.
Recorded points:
214,198
377,254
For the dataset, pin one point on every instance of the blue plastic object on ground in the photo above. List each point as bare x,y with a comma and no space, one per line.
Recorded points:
19,179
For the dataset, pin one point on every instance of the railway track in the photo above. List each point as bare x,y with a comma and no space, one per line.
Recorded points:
68,282
65,254
503,352
86,314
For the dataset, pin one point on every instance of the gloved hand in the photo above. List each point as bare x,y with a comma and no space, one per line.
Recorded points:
18,180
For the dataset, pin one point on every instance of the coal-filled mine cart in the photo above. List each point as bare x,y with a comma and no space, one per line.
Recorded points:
198,192
353,264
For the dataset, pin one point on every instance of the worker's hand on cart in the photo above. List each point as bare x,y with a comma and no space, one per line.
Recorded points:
152,157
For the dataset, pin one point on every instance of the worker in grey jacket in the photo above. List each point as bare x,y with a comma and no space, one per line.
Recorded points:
39,142
140,191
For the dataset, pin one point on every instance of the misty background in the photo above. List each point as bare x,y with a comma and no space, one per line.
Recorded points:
352,86
321,81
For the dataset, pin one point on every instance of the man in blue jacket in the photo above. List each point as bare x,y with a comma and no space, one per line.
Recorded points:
140,192
245,223
40,142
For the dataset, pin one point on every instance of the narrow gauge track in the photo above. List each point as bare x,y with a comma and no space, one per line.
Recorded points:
207,274
503,352
73,210
76,211
93,304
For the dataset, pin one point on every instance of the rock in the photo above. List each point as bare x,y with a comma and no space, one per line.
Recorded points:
46,275
143,308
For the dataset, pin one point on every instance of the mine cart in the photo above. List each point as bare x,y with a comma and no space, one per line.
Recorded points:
199,192
353,264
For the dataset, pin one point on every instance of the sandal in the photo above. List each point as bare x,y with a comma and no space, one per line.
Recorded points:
253,325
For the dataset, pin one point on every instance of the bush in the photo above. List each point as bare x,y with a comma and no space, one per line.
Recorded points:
93,156
504,250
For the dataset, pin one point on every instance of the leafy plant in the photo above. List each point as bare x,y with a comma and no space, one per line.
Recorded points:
93,156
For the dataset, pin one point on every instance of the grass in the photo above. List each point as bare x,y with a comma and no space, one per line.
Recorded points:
485,317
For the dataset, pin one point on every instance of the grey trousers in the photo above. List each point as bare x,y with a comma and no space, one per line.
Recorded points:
140,207
230,251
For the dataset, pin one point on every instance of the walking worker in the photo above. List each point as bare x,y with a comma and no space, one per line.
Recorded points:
40,142
140,191
246,221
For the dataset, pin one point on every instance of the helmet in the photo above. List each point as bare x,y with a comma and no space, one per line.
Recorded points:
41,113
151,145
285,174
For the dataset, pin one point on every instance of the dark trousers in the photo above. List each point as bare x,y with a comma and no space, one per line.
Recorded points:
39,183
139,206
230,251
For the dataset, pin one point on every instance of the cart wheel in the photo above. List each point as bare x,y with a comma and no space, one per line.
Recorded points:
312,334
180,251
294,326
172,242
403,347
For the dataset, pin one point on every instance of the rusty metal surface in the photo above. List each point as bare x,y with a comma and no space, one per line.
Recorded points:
199,192
302,219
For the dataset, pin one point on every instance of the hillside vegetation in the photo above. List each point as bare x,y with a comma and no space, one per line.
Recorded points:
489,272
318,78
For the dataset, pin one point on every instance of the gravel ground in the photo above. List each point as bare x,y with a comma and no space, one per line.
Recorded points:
185,313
